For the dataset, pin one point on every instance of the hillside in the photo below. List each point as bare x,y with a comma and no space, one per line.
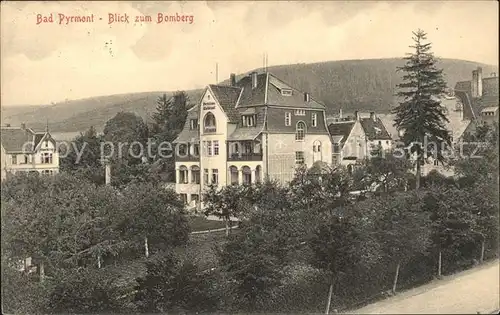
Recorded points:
366,85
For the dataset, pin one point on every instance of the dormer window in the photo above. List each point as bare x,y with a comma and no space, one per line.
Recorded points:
300,112
209,123
286,92
193,124
248,120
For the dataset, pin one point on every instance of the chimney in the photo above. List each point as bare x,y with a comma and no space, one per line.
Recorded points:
306,97
373,116
340,113
254,79
474,83
232,79
356,115
23,126
479,81
493,75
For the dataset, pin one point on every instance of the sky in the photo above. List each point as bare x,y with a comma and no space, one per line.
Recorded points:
51,62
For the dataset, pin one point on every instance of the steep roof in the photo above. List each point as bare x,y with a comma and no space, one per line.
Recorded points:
474,106
249,133
21,140
227,96
374,129
187,134
341,128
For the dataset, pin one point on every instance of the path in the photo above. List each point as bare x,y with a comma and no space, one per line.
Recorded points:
468,292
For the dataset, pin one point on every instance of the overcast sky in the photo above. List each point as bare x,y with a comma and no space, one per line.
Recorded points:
50,62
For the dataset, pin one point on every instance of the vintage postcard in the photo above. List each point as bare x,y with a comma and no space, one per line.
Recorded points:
250,157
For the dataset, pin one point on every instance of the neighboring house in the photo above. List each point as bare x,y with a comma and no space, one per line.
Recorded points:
246,131
479,98
24,150
353,138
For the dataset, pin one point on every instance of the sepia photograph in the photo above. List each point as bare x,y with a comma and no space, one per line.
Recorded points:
250,157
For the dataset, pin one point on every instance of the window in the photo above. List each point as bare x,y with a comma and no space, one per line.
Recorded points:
46,144
183,175
288,119
299,157
216,147
46,158
215,176
47,172
436,162
195,174
286,92
300,112
184,198
207,147
196,150
387,142
233,170
380,142
247,175
258,174
182,149
248,120
317,146
206,180
209,123
14,159
314,118
193,124
24,159
300,131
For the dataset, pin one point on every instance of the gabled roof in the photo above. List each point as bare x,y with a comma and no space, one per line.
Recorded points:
490,109
374,129
21,140
227,96
342,128
249,133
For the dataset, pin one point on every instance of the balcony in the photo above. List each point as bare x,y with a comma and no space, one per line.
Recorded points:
245,157
187,158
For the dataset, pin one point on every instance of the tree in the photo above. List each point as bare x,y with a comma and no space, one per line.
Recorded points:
126,134
84,152
420,114
153,216
385,171
342,244
173,285
403,228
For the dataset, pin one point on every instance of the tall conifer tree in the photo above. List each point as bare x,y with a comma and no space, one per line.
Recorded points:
419,115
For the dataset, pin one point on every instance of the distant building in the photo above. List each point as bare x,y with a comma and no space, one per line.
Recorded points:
246,131
24,150
479,98
353,138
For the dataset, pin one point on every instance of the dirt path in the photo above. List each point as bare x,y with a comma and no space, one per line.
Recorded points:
468,292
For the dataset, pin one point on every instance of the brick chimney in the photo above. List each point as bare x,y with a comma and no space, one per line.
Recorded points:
373,116
340,113
254,79
473,83
307,98
479,81
232,79
23,126
356,115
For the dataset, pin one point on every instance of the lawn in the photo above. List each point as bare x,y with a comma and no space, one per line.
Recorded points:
200,223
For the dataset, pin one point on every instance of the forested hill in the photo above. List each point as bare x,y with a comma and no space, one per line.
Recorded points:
366,85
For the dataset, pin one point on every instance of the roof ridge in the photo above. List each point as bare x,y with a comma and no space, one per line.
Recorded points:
225,86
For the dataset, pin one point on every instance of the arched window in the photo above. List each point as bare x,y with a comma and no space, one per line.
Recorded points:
247,175
195,174
317,146
209,124
183,175
233,171
300,131
258,174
